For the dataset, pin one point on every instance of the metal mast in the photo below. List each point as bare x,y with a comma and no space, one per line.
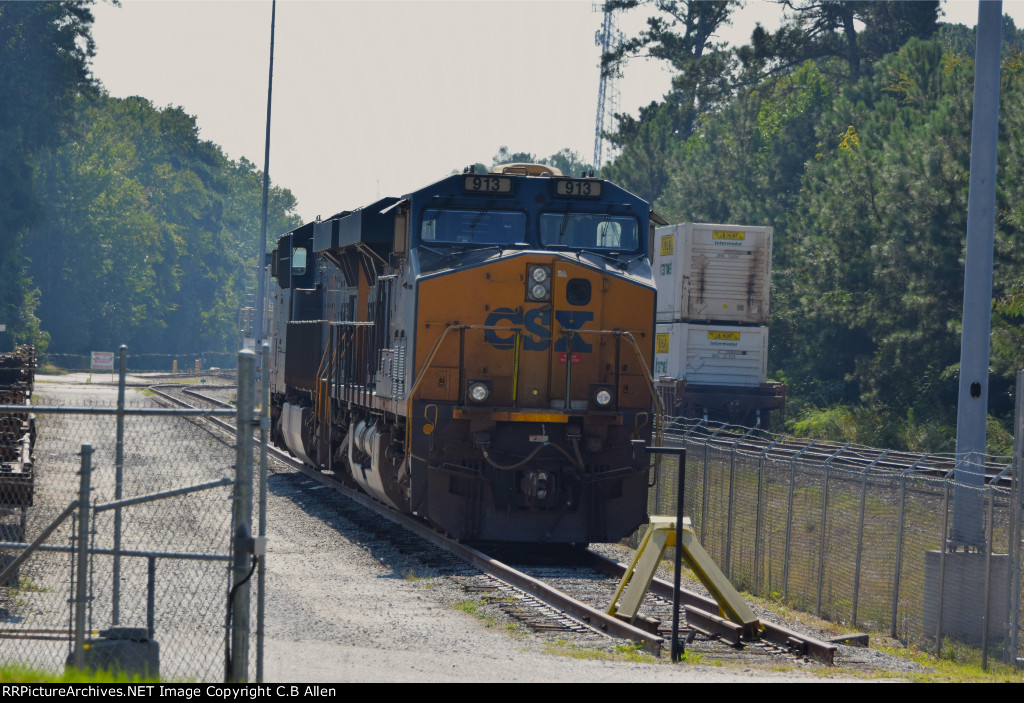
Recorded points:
972,410
261,255
608,37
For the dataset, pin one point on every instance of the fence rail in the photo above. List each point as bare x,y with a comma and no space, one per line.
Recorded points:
145,569
853,534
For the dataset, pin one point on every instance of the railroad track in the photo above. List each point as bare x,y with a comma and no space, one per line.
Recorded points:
544,607
854,457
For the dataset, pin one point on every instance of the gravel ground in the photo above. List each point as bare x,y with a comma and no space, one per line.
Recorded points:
343,606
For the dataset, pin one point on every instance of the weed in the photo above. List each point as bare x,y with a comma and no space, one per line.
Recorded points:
632,652
17,674
26,584
695,658
623,652
473,608
467,606
960,664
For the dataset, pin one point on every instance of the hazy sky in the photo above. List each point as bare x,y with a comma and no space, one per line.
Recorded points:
383,97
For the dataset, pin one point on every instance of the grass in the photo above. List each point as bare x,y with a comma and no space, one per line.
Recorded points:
26,584
475,608
958,664
923,526
624,652
515,630
480,609
18,674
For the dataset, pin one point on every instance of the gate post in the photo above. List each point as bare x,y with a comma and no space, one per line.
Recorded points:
241,520
118,489
261,572
78,655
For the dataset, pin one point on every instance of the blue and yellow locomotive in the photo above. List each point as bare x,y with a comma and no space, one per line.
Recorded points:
476,352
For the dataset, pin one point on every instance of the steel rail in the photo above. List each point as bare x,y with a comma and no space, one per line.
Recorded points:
774,633
207,398
582,612
704,609
199,413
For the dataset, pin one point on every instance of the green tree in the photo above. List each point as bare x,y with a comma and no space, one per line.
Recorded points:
569,162
856,32
878,240
150,236
647,144
45,50
681,33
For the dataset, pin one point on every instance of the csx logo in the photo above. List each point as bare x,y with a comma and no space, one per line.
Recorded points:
537,324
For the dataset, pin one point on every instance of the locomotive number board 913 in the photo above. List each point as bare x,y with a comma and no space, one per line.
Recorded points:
487,184
578,188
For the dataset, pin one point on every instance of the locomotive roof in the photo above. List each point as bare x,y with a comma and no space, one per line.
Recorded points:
527,188
372,224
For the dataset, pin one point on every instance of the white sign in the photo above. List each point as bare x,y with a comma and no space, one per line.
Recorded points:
103,361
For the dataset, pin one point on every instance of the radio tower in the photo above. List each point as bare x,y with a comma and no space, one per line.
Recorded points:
608,37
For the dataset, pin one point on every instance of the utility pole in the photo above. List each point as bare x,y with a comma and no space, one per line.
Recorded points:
261,255
972,408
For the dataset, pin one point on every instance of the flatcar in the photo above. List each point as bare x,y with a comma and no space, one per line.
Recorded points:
477,352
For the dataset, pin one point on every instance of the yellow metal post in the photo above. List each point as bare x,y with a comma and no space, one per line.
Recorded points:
661,534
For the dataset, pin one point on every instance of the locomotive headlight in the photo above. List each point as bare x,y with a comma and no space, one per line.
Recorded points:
538,284
602,396
478,391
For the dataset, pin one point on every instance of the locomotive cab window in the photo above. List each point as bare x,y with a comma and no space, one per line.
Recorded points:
298,261
473,226
587,230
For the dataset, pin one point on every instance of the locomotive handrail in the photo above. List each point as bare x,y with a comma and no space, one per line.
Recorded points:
659,429
659,432
430,360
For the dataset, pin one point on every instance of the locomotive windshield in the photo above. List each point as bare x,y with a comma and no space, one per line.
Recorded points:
478,226
588,230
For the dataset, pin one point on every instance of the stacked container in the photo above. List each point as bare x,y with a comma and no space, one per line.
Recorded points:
713,273
714,284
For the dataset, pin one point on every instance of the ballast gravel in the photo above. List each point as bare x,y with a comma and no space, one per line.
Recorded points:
345,606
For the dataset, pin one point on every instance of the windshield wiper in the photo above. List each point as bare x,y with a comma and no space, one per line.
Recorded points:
476,246
440,211
565,223
476,220
625,264
607,256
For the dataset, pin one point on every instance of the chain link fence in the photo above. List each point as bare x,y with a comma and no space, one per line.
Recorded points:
852,534
207,362
159,547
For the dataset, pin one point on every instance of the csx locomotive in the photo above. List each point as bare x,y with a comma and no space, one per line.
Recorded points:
476,352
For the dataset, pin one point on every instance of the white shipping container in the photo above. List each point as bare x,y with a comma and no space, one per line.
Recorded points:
713,273
720,355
